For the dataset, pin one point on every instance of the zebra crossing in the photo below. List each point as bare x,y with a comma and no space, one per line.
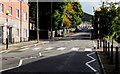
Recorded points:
58,48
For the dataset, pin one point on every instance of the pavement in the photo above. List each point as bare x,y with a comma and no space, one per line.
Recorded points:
108,67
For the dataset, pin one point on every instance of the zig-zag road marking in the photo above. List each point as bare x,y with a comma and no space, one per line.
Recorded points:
93,59
21,62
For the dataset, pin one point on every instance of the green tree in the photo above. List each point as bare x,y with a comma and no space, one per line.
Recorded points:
109,20
56,19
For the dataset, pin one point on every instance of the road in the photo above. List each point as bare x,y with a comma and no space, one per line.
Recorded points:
73,54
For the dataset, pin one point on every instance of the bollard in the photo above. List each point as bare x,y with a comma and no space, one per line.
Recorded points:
108,50
97,44
117,60
6,43
111,54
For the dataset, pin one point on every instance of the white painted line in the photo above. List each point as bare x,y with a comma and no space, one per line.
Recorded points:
93,59
61,48
24,49
20,63
37,48
88,49
40,54
8,69
3,51
49,48
75,49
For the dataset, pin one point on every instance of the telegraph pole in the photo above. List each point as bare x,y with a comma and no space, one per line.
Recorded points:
37,21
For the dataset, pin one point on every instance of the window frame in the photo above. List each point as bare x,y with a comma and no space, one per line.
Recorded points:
1,8
25,16
10,10
17,13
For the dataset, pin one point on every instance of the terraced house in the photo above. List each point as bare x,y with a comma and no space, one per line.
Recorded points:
15,25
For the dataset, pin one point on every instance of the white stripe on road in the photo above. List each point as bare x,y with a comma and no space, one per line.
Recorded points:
24,49
37,48
49,48
88,49
40,54
61,48
21,62
75,49
93,59
8,68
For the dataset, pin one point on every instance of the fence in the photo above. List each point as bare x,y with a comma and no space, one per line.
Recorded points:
111,50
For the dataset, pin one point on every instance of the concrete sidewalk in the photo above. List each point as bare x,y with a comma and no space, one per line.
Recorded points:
20,45
106,62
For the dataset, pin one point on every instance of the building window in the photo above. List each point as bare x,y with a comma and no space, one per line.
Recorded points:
17,32
25,16
10,10
17,13
1,8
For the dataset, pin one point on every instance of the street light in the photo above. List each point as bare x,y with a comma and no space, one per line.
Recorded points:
7,12
37,22
98,10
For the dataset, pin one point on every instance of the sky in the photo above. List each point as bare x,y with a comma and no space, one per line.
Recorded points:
87,5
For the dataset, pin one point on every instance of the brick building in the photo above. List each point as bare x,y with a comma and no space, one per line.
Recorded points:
17,27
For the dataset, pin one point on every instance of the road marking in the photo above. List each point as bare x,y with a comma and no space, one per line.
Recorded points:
40,54
61,48
49,48
21,62
24,49
4,51
37,48
93,59
8,69
75,49
88,49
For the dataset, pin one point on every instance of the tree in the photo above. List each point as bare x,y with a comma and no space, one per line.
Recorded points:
56,19
109,21
57,13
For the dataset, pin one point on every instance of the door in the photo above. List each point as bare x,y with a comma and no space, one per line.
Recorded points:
10,35
1,35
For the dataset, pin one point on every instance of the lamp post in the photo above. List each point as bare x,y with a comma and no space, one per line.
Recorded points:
98,10
7,41
37,22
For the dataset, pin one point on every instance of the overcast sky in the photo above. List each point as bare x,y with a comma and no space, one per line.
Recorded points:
87,5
